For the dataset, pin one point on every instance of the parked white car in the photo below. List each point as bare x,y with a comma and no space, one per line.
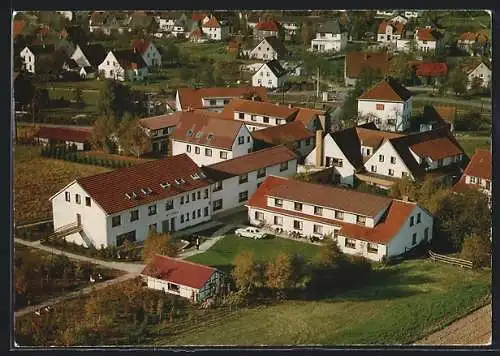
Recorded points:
251,232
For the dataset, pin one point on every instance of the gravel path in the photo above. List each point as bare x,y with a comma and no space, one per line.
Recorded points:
474,329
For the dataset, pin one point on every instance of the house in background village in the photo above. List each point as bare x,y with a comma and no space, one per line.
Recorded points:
33,53
435,116
88,58
481,71
215,30
267,28
124,65
330,36
269,48
477,174
159,129
429,40
270,75
71,138
356,62
148,51
473,43
390,32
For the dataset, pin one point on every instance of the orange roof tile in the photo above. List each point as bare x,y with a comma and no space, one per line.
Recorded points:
436,149
305,115
387,90
212,23
480,164
356,61
283,134
161,121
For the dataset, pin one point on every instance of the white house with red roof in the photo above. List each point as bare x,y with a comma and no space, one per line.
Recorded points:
477,174
158,129
148,52
266,28
106,209
389,31
428,39
79,138
362,224
123,65
215,30
186,279
388,104
207,139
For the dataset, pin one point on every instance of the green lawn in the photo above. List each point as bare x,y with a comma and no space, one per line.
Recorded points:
211,50
470,142
222,254
399,305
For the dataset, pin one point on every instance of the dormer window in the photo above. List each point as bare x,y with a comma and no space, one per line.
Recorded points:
189,133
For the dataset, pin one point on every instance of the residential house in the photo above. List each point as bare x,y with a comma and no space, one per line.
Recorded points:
291,26
215,30
257,115
71,138
30,54
159,129
166,22
388,104
362,224
293,135
181,26
140,21
330,36
438,115
481,71
124,65
412,14
214,99
428,40
385,13
252,19
356,62
237,179
148,52
18,28
473,43
128,204
270,75
186,279
399,18
477,174
269,48
198,36
107,22
267,28
88,58
390,31
434,154
313,119
208,139
432,72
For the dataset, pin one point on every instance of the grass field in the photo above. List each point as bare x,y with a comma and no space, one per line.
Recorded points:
37,178
399,305
222,254
469,143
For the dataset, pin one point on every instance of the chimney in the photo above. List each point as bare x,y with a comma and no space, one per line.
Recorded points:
405,198
319,148
289,106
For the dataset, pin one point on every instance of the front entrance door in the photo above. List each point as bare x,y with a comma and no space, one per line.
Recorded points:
78,219
164,226
172,225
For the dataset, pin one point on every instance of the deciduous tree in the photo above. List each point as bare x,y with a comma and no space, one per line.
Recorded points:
161,244
457,81
477,249
132,138
246,272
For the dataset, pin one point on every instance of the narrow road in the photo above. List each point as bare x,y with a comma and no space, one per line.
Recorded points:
206,245
473,329
485,105
77,293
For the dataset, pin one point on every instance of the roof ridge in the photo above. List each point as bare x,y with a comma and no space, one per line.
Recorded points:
282,146
179,259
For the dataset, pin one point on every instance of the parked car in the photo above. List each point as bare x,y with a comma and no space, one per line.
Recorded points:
251,232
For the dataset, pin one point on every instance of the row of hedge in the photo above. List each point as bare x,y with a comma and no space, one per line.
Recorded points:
70,154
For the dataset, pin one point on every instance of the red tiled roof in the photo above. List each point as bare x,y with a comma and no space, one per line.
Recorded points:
373,138
212,23
258,108
447,113
65,134
214,132
249,162
432,69
198,16
467,36
356,61
197,32
425,34
269,25
160,122
398,27
387,90
178,271
109,189
18,27
283,134
140,46
306,115
327,196
436,149
190,97
480,165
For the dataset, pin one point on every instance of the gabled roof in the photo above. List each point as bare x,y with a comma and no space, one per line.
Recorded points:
109,189
161,121
95,53
356,61
305,115
191,97
206,130
198,16
129,59
64,133
268,25
98,18
331,26
436,149
436,69
259,108
41,49
398,27
427,34
212,23
480,164
445,113
283,134
470,66
249,162
17,27
276,44
327,196
275,67
388,90
179,271
468,36
140,19
140,45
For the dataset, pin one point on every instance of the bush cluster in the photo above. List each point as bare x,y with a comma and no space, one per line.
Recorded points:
70,154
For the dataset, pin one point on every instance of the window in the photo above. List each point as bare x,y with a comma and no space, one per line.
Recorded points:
283,166
243,178
152,210
380,106
419,218
278,203
223,155
393,160
297,225
381,158
360,220
187,217
270,82
426,234
372,248
217,204
169,205
67,196
217,186
243,196
368,151
259,216
391,172
152,228
404,174
278,220
241,140
116,221
134,215
351,243
265,119
308,141
248,139
261,173
339,215
182,219
198,194
241,115
487,184
208,152
226,101
373,169
412,220
205,194
253,117
337,162
318,210
187,198
297,206
472,180
318,229
182,200
193,196
194,214
414,239
205,211
479,181
197,150
213,102
188,148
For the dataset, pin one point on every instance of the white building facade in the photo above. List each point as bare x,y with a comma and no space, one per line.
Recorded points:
387,115
266,77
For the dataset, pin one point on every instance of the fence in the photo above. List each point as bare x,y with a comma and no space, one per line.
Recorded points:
450,260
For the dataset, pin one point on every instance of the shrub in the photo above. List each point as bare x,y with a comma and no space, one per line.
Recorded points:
477,249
